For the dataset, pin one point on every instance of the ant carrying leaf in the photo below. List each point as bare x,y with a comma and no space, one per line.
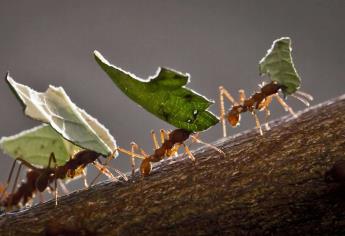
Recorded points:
72,140
278,65
165,96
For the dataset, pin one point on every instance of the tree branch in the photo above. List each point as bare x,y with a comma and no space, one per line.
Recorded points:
270,184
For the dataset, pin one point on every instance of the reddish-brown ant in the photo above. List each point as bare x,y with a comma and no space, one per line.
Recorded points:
258,101
39,179
171,141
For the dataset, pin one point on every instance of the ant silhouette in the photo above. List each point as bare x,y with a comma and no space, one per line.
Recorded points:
257,102
39,179
171,142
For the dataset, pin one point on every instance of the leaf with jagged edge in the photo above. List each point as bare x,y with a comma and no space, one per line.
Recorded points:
54,107
35,146
278,65
164,95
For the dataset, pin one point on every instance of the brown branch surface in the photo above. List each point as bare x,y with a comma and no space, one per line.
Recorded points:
270,184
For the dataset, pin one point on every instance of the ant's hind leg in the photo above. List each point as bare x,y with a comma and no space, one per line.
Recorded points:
284,105
224,93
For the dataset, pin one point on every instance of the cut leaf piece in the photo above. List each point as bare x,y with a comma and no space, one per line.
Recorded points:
164,95
54,107
35,146
278,65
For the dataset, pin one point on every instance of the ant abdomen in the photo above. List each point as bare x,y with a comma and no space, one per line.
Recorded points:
145,167
234,116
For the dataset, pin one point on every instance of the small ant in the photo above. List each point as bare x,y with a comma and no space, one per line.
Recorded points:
171,142
257,102
38,179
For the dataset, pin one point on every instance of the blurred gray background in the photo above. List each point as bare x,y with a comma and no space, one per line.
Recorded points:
217,42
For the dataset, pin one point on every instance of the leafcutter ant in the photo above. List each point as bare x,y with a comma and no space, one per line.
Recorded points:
39,179
257,102
171,142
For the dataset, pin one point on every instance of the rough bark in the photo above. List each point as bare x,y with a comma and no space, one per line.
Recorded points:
270,184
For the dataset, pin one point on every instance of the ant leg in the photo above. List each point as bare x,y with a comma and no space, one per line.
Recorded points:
3,193
16,179
56,192
104,170
305,95
135,146
129,153
176,147
154,138
197,140
63,187
22,162
85,179
40,197
189,153
284,105
242,95
173,150
223,92
102,167
163,135
265,104
257,122
301,99
52,158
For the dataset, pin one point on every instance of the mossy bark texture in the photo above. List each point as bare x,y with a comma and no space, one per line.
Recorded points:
270,184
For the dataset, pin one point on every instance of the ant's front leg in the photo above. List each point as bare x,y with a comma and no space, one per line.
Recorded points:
224,93
284,105
196,139
188,152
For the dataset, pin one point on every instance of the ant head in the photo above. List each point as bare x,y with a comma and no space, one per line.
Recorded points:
145,167
179,135
234,117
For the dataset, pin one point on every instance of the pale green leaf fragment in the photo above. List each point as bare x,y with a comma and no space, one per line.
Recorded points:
278,65
54,107
35,146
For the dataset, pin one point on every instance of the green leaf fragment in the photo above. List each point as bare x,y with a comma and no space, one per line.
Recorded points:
278,65
35,146
54,107
164,95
